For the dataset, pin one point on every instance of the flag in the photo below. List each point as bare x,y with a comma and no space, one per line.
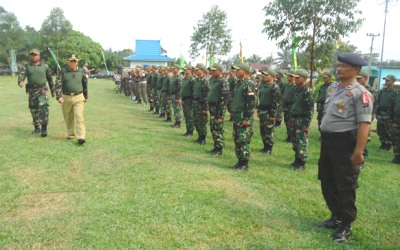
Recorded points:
14,66
295,44
240,53
181,62
104,60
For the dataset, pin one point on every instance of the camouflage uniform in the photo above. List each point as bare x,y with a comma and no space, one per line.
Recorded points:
200,106
279,116
38,101
166,97
160,99
186,93
217,97
320,102
232,81
287,101
242,107
174,90
395,129
149,91
383,115
154,93
267,110
301,113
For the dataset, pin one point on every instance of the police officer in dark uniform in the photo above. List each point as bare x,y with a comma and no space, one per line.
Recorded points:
344,134
38,74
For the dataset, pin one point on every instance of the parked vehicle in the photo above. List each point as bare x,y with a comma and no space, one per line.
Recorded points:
6,70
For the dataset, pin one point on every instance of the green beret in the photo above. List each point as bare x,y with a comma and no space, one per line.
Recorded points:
243,66
269,72
200,66
301,73
216,66
34,51
390,77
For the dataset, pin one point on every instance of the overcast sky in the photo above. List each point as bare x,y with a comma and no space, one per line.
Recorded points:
117,24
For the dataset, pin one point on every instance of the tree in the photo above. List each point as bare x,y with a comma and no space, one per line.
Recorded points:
306,22
253,59
285,59
269,60
10,35
212,34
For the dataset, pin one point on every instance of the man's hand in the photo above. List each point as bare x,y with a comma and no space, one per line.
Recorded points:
53,94
21,84
357,158
245,123
85,101
178,102
204,112
60,100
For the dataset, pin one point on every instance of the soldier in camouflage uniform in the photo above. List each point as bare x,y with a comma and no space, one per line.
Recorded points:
395,128
384,112
160,81
269,95
166,96
232,80
287,101
301,113
242,107
322,95
174,90
38,74
149,77
200,105
186,94
362,79
281,84
154,93
217,97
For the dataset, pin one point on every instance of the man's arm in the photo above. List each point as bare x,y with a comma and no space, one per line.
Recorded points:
362,138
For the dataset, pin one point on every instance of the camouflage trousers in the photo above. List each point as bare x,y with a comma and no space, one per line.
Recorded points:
279,115
187,106
153,99
177,108
383,127
200,118
159,100
266,129
126,86
217,125
166,104
289,130
39,106
228,107
242,137
395,135
300,139
136,89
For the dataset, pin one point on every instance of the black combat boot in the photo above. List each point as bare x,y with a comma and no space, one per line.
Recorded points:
44,131
396,159
168,119
342,233
217,151
202,140
176,125
288,139
278,124
243,166
162,115
151,109
331,223
157,112
293,164
267,150
236,165
36,130
300,166
188,133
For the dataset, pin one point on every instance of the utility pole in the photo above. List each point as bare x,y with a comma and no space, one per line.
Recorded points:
372,35
383,38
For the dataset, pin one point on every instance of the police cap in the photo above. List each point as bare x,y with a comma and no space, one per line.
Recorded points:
352,59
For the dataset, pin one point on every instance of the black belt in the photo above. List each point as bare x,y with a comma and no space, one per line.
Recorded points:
184,98
299,116
35,86
336,136
72,94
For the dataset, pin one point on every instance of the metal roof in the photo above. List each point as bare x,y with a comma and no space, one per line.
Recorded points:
148,50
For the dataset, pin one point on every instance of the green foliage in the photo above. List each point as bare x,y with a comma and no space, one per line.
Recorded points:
212,34
139,184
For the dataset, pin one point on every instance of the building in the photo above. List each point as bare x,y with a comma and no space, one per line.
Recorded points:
148,52
378,83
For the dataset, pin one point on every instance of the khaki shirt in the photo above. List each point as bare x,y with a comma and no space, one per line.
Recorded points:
346,107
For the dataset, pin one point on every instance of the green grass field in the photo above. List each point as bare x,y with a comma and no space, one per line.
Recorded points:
139,184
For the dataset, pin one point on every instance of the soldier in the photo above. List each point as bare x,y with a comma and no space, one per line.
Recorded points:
85,69
142,83
281,84
166,97
174,90
72,93
232,80
243,105
269,95
38,73
344,133
154,92
301,113
362,79
287,100
200,105
149,77
160,81
217,97
395,129
384,112
186,93
322,95
126,86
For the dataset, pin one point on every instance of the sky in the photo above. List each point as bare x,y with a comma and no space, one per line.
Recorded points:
117,24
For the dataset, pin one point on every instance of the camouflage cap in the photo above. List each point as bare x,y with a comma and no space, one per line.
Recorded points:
243,66
281,72
34,51
72,57
216,66
139,66
290,73
326,74
200,66
301,73
269,72
390,77
188,66
176,66
363,73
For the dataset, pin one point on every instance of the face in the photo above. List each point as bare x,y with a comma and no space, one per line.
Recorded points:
34,58
346,71
188,72
199,72
72,64
326,79
300,81
362,80
389,82
240,73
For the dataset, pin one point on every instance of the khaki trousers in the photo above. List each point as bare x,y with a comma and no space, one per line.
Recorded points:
72,109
